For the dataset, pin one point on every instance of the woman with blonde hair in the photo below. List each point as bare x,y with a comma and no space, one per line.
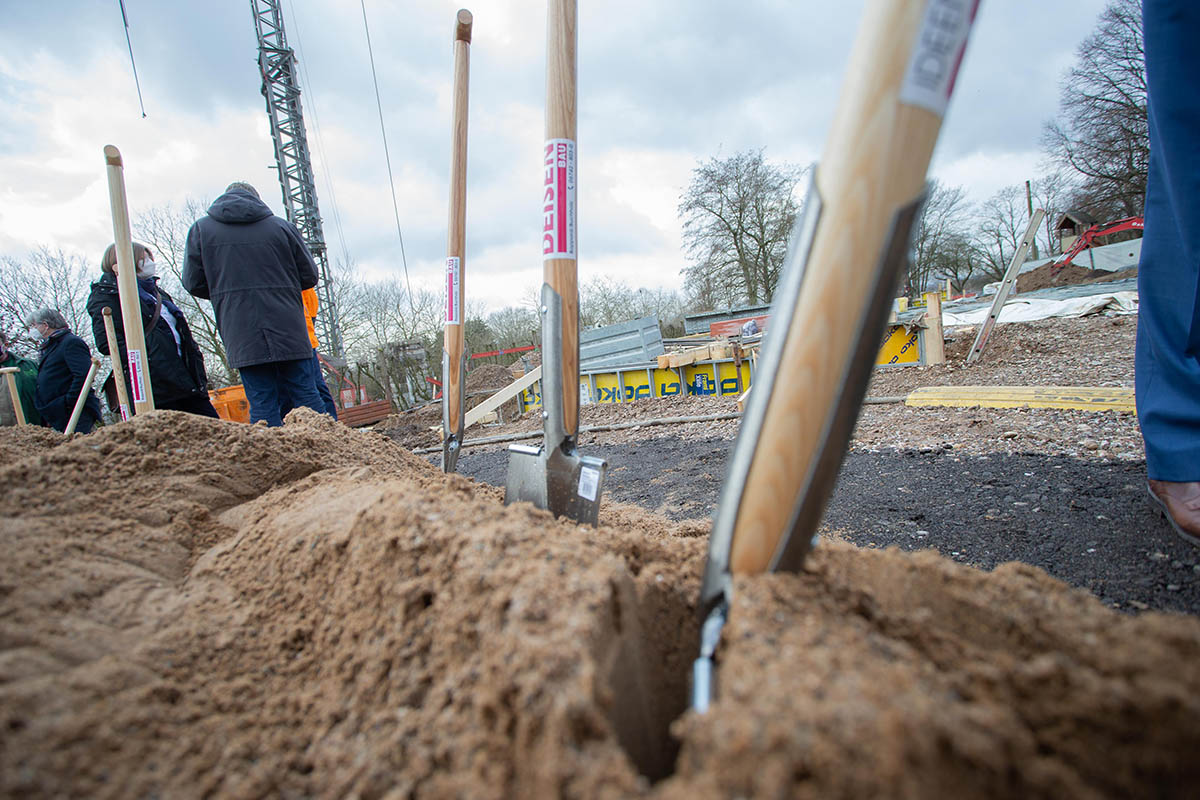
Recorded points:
177,375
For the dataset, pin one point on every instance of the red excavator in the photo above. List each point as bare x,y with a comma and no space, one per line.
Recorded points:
1088,238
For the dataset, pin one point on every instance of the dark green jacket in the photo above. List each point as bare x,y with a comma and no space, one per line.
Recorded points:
26,388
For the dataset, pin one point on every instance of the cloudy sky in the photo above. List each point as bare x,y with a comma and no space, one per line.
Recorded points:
663,84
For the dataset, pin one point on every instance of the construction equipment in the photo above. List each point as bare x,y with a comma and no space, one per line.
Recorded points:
1006,286
127,290
281,89
555,476
1088,238
849,247
454,369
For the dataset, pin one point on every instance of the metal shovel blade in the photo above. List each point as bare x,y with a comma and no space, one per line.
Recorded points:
563,482
555,476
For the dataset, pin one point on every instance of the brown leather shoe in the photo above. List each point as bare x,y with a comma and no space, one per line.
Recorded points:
1180,504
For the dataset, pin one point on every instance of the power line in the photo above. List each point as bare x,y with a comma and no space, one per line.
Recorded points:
125,19
387,156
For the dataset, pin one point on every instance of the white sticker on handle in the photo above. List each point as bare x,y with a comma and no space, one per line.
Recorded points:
589,482
558,199
937,54
137,376
453,291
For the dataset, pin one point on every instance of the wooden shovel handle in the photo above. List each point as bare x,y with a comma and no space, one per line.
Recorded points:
131,306
114,352
10,377
562,273
873,165
452,387
81,401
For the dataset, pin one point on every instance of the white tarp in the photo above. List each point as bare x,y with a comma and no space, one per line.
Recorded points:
1019,309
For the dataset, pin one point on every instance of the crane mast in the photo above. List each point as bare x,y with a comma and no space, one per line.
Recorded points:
280,87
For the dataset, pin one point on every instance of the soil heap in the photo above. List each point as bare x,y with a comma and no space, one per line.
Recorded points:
191,607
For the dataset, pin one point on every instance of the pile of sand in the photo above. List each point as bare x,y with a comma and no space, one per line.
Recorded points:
189,607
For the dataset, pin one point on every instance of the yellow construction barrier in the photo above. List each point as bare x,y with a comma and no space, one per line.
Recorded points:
1084,398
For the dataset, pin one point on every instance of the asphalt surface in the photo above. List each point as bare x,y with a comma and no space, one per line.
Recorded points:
1087,523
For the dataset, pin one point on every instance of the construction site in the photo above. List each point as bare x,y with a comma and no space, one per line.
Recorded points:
849,543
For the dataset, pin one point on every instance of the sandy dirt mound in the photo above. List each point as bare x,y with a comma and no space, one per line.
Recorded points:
191,608
18,442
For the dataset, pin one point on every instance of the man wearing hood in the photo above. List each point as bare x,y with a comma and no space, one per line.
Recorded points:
253,266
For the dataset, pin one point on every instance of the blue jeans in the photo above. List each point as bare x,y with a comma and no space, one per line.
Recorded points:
265,383
1167,371
285,402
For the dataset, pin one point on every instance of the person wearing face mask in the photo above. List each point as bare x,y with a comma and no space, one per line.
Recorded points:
26,387
63,366
177,373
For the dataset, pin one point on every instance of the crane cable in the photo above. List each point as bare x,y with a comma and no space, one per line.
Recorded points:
388,158
136,82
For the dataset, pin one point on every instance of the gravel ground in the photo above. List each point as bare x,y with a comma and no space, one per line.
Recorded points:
1062,490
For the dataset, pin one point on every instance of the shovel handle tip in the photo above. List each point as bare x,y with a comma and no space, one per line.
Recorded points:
462,30
112,156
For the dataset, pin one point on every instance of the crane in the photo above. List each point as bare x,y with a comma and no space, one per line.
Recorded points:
280,87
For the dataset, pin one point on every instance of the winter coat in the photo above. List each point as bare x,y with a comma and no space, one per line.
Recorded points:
252,265
26,390
173,376
65,361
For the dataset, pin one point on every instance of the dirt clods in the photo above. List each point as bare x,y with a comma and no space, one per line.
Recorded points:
191,607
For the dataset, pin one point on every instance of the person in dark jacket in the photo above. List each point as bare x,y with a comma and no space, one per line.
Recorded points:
178,379
253,266
26,380
62,370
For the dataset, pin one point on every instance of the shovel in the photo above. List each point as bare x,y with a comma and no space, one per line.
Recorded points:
555,476
453,363
847,252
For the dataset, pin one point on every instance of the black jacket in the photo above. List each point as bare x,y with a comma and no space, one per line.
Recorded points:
64,365
172,376
252,265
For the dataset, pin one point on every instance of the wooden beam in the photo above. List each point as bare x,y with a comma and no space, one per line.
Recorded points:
935,341
501,397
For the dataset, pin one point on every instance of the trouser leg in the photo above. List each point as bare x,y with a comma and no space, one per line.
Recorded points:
296,378
259,381
1168,343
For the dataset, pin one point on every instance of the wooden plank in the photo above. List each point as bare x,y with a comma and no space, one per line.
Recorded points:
364,413
1084,398
935,339
503,396
720,351
689,356
664,361
743,400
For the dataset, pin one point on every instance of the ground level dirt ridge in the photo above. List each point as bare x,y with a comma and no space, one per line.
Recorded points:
194,608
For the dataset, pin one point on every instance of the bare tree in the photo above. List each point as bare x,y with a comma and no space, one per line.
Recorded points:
1001,223
942,224
514,326
1101,131
955,260
1054,192
46,278
737,215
